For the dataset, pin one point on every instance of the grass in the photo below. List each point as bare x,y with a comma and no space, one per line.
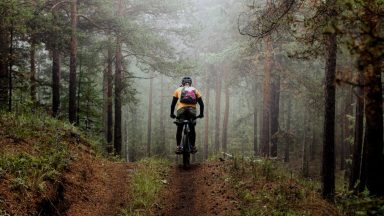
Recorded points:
38,150
4,213
146,183
265,187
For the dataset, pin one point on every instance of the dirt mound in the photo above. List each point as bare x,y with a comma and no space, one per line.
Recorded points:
96,187
200,190
89,185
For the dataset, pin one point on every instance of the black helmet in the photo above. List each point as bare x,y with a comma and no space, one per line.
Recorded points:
186,80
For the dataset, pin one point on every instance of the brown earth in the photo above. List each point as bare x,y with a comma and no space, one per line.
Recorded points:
90,185
200,190
96,187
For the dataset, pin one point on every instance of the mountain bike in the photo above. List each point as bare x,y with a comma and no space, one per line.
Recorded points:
185,142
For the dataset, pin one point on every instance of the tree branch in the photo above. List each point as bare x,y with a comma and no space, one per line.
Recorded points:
59,3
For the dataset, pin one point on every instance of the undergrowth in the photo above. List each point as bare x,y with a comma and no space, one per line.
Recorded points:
38,150
266,188
147,181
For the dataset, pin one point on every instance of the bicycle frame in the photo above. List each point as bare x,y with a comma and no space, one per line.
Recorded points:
185,143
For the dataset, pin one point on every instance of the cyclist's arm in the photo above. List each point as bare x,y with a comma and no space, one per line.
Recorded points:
173,104
201,104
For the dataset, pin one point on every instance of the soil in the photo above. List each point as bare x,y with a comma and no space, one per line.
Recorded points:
97,188
199,190
91,185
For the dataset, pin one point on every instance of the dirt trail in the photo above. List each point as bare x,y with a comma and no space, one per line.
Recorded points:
200,190
97,188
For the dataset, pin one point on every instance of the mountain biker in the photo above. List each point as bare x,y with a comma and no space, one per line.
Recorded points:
186,97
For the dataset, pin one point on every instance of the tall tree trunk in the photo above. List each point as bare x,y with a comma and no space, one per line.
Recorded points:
358,137
56,75
305,161
110,98
149,128
373,140
78,95
206,120
126,139
328,164
218,110
32,77
342,144
73,64
162,127
4,45
275,101
312,148
372,61
226,115
255,109
265,135
118,86
288,125
10,74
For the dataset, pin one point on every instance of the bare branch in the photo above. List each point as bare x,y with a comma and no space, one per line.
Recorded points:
59,3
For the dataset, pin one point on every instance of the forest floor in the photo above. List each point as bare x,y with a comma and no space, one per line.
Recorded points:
49,168
88,186
199,190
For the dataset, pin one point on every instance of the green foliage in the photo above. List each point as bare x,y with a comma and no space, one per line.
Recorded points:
42,150
44,161
4,213
265,188
147,181
360,204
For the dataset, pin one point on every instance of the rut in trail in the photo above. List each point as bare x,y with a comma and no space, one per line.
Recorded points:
200,190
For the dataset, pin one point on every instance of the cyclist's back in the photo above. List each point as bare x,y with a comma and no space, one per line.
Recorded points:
186,97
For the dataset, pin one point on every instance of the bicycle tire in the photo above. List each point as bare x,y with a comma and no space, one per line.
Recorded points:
186,151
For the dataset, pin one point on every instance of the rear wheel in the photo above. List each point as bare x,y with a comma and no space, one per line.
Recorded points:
186,150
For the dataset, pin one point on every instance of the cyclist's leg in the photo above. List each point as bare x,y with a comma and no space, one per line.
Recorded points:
192,134
179,132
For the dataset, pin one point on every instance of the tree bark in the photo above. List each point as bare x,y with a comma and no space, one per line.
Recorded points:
73,64
342,143
162,126
288,125
78,95
118,86
206,120
275,102
109,92
358,137
56,75
328,164
32,77
4,45
255,113
305,161
149,127
373,140
265,135
217,114
10,74
312,148
226,115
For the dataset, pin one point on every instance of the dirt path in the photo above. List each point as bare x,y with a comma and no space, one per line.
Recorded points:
95,188
200,190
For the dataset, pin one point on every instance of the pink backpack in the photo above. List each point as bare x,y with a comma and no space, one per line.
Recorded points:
188,95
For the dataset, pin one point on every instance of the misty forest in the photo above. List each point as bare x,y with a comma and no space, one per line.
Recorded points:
289,105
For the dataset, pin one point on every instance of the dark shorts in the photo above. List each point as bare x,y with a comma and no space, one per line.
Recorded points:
186,113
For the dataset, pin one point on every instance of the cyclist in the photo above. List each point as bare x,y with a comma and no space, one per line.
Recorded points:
186,97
